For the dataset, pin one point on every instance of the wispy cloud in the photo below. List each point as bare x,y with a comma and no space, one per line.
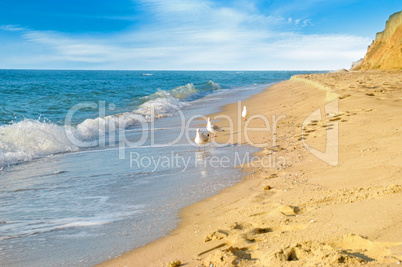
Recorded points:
195,34
12,28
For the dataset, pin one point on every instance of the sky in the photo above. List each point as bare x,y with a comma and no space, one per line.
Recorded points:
189,34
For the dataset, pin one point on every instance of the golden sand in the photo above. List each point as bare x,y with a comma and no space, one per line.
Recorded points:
303,211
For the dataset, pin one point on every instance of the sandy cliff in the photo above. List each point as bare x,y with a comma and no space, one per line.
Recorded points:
385,52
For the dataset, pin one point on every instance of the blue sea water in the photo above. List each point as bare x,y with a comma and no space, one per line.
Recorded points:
70,193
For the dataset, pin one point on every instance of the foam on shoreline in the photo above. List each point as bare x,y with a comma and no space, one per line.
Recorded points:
32,139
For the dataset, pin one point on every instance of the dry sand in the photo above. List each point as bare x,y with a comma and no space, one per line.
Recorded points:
302,211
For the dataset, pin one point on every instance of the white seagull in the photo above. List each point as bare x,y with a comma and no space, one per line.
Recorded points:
244,113
212,128
201,139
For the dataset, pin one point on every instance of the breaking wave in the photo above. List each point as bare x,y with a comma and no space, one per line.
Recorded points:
31,139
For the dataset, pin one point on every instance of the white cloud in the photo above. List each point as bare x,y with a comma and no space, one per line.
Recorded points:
196,34
320,47
11,28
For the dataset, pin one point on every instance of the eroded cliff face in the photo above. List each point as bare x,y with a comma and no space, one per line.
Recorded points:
385,52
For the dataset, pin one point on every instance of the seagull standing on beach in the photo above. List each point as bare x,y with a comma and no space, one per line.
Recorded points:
201,139
244,113
212,128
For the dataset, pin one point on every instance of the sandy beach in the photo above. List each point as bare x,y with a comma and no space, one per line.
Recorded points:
294,208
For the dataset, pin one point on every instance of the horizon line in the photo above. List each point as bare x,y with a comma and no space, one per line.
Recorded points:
161,69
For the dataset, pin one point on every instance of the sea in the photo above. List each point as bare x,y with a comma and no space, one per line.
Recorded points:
96,163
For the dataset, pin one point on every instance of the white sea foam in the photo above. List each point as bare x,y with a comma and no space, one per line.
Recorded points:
213,85
31,139
184,91
165,103
92,128
160,107
83,224
15,229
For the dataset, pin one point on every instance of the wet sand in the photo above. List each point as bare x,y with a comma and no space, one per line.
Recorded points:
338,202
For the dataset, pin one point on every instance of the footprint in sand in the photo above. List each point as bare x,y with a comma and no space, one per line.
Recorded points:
312,253
236,226
258,231
335,119
366,249
344,96
232,256
352,195
216,235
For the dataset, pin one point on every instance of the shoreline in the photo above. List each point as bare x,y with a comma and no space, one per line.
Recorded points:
303,211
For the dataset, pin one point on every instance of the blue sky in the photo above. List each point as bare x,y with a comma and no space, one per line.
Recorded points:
189,34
